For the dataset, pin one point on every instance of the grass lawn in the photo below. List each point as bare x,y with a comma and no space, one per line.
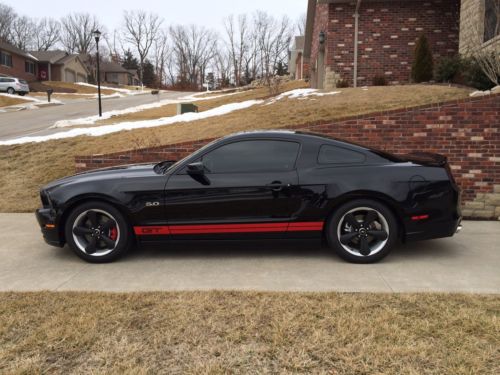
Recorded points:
25,168
6,101
245,332
203,105
80,89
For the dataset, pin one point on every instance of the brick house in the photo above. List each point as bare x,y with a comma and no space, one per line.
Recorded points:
358,40
17,63
60,66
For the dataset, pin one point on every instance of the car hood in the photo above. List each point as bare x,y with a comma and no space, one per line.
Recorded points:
112,173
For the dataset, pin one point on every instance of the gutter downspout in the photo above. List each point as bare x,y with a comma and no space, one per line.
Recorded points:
356,29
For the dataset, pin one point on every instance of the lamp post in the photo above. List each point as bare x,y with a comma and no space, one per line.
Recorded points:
97,36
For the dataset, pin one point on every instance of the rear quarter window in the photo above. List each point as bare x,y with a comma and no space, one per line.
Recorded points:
338,155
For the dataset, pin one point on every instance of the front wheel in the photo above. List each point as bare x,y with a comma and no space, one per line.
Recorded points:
97,232
362,231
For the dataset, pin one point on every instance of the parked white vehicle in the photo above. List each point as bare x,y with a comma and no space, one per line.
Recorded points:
12,85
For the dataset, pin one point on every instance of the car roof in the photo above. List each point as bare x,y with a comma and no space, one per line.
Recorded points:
294,134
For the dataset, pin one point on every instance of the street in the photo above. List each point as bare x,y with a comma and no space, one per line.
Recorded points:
38,121
467,262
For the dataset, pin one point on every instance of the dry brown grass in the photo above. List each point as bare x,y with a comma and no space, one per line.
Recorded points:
79,88
203,105
6,101
232,332
62,97
25,168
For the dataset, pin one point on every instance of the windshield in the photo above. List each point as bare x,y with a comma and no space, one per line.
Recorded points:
23,81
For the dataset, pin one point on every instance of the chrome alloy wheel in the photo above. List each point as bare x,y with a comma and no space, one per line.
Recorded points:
363,231
96,232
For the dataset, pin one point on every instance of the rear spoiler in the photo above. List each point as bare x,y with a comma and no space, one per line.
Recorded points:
426,158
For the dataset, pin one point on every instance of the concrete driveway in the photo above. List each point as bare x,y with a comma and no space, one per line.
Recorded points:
39,121
468,262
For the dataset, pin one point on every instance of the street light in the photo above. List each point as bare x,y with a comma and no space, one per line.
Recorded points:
97,36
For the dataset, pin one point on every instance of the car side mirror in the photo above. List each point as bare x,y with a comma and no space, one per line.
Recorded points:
196,169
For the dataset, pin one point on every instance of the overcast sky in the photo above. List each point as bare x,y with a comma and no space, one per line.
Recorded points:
203,12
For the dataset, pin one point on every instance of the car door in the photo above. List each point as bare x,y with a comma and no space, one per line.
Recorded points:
241,187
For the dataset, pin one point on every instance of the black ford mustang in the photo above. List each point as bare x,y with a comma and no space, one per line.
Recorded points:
272,184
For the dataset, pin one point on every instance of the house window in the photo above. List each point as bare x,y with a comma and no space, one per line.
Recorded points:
491,19
5,59
29,67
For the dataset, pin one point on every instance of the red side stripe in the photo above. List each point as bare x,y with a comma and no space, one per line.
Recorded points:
227,228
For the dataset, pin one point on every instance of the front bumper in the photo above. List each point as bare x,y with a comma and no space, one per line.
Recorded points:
47,220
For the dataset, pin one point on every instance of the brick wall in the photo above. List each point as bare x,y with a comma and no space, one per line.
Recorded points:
388,31
18,68
154,154
467,131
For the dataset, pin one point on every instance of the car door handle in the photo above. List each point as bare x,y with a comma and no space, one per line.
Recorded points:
277,186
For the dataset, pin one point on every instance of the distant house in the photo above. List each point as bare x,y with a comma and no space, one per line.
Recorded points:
298,66
355,41
16,62
60,66
133,78
112,72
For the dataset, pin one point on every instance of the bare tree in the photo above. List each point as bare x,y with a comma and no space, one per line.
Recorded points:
223,66
274,37
300,24
23,31
47,34
7,18
141,30
115,44
161,55
194,47
237,36
76,35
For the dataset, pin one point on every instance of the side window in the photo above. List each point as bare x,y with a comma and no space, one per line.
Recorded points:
252,156
338,155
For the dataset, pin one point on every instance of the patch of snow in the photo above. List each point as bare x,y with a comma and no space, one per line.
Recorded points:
480,93
124,91
27,98
301,94
107,129
107,115
195,97
30,102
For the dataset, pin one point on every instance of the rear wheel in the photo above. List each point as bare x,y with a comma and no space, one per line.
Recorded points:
11,91
362,231
97,232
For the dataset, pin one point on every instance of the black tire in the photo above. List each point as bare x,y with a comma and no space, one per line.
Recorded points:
22,93
11,91
103,215
338,226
